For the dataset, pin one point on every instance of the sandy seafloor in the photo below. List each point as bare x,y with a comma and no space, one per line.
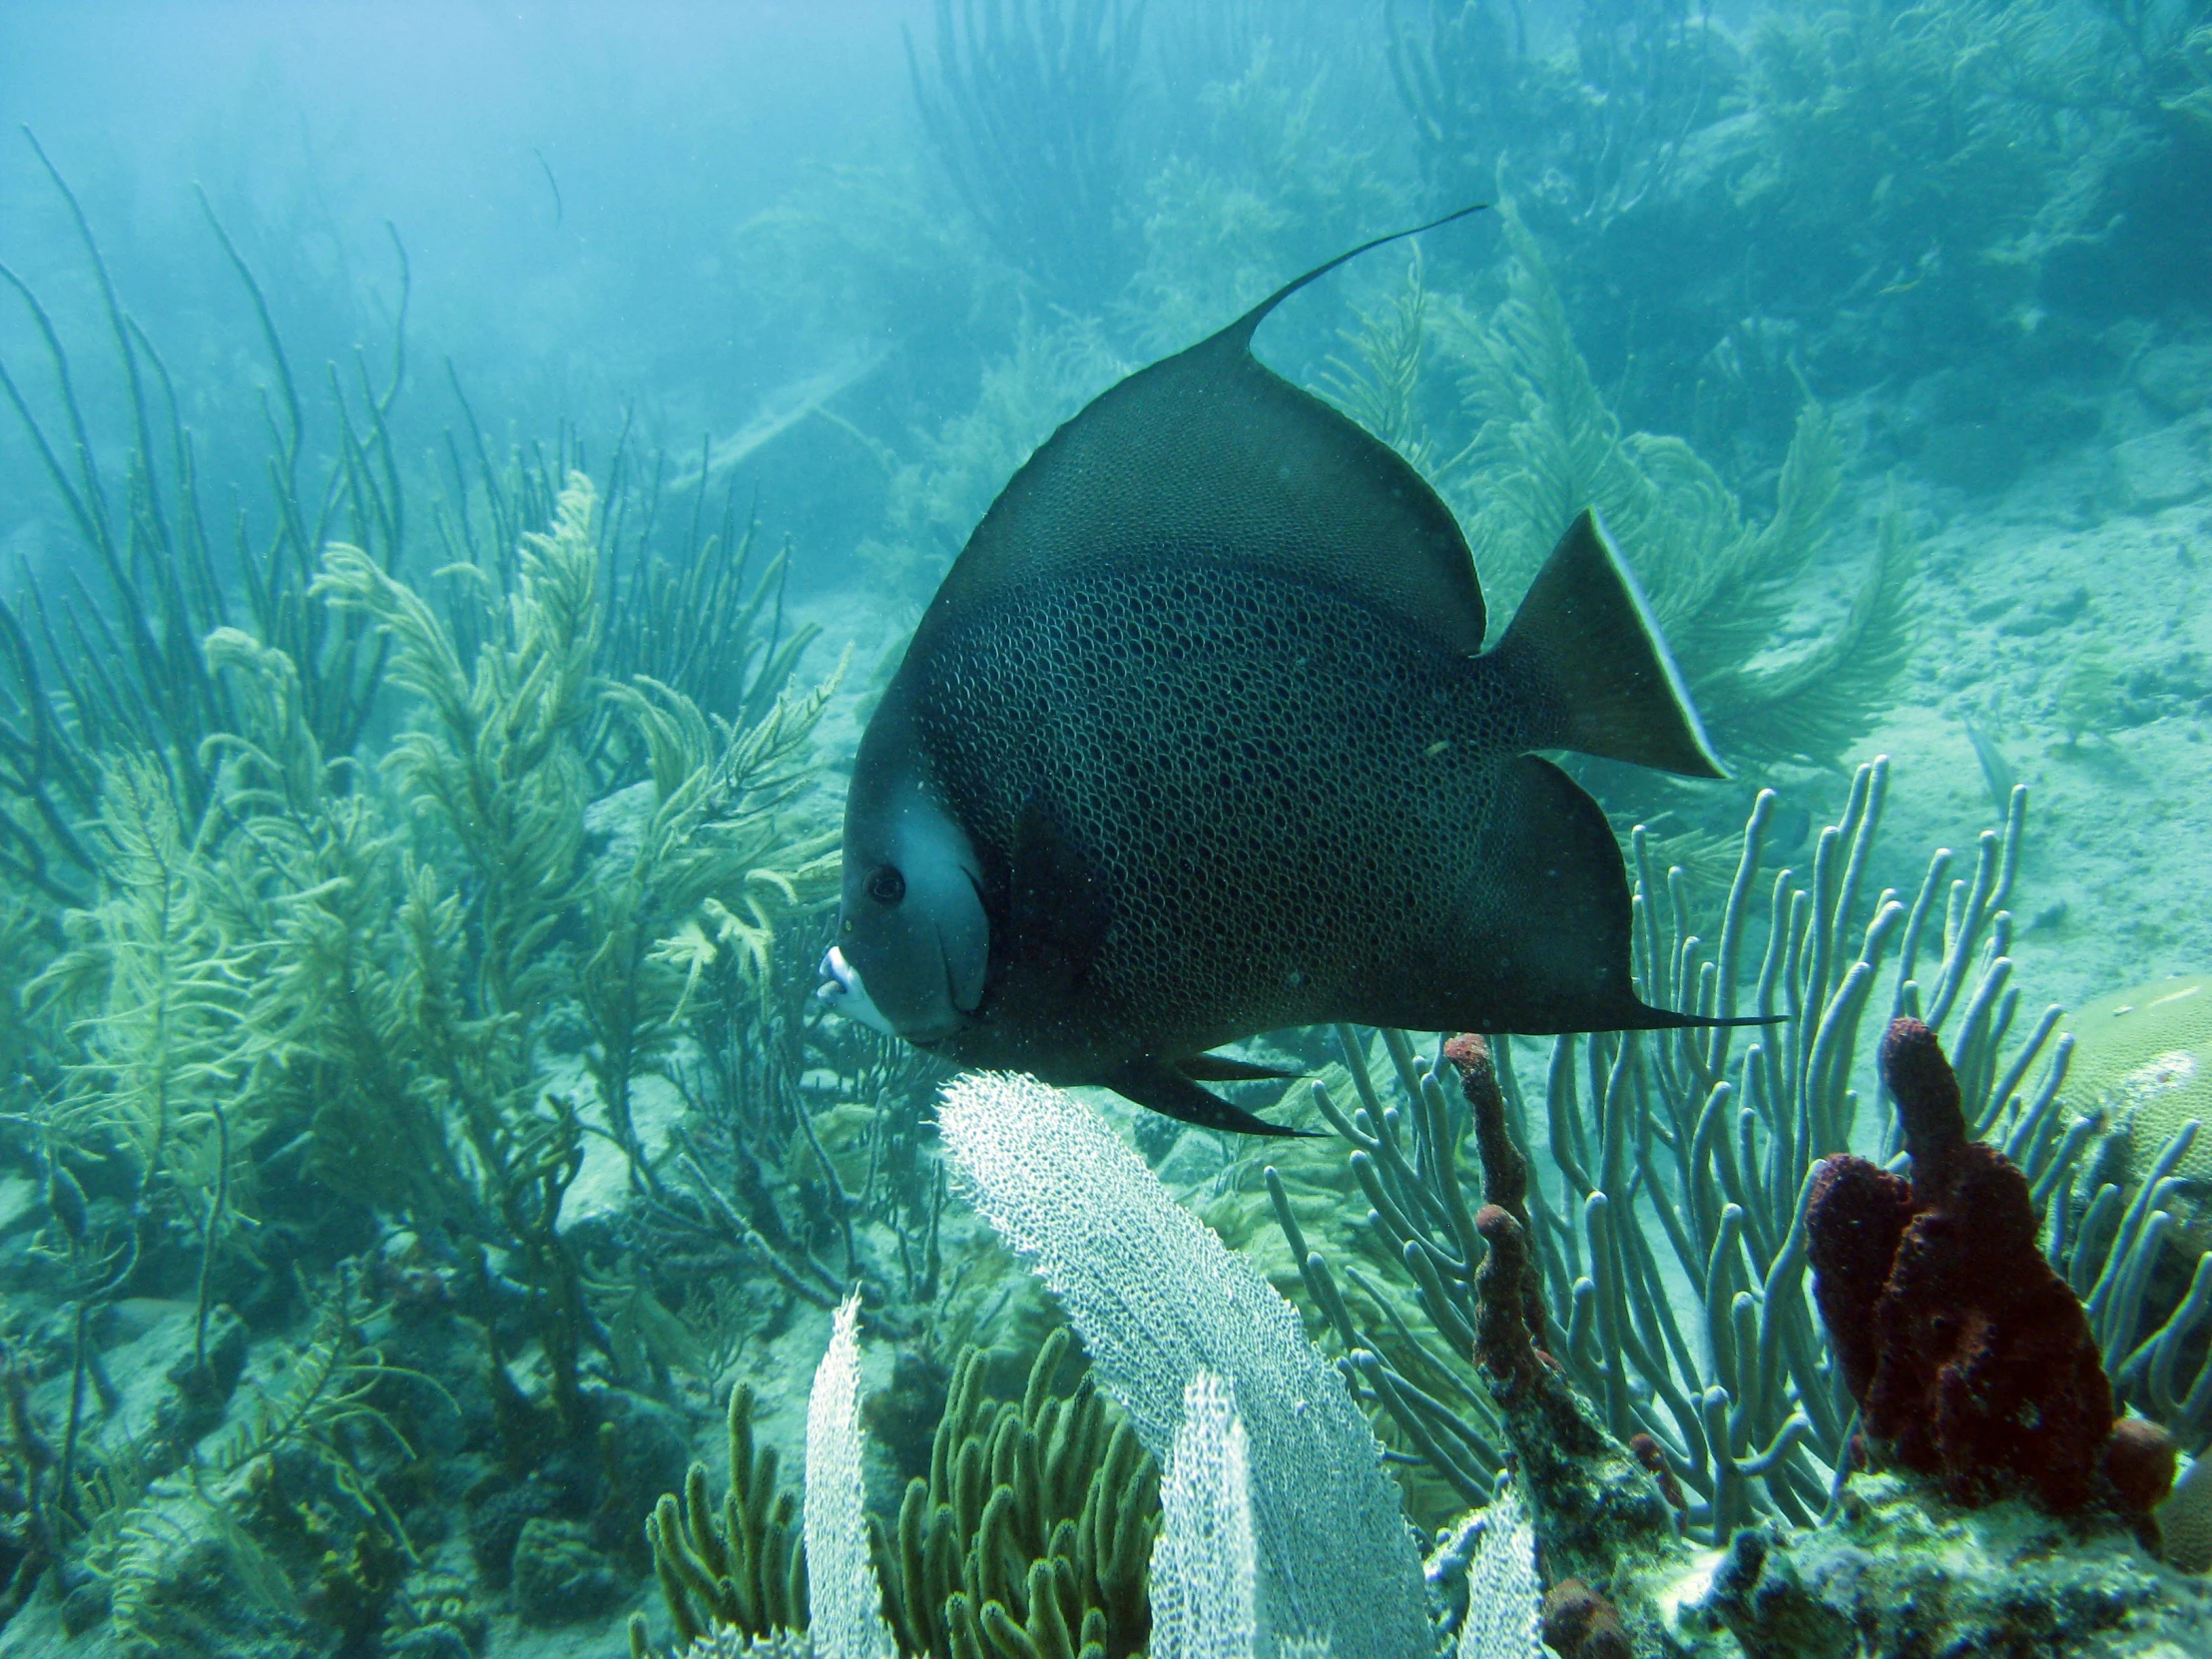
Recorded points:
2106,554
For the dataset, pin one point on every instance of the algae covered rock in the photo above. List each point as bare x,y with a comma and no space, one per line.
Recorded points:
643,1451
495,1525
559,1577
2144,1057
2185,1519
2176,376
433,1642
1901,1571
435,1615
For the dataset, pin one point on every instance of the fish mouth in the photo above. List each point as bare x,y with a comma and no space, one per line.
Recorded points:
845,993
843,990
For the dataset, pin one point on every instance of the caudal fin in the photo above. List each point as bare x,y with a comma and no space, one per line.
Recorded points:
1587,663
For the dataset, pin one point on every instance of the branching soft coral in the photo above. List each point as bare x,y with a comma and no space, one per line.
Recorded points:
497,759
1722,588
157,978
299,949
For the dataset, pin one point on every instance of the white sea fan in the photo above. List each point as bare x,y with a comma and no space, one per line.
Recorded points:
1203,1570
1504,1603
1156,1297
845,1602
727,1641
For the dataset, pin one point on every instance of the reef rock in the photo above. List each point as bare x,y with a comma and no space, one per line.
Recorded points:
1901,1573
559,1577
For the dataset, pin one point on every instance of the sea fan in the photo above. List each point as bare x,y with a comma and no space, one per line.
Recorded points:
1156,1297
845,1601
1203,1569
1503,1597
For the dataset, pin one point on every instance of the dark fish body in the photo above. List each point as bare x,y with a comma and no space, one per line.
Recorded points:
1271,783
1198,739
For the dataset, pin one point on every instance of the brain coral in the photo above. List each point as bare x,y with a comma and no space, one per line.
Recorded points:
2145,1056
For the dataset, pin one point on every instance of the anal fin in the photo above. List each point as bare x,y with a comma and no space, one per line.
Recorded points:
1544,944
1158,1086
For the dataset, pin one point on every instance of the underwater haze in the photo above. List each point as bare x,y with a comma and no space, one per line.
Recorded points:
483,1168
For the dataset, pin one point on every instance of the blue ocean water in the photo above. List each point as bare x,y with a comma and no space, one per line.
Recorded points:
469,478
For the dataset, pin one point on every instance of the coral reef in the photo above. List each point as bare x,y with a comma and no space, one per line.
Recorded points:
1717,1141
559,1579
1596,1514
418,1145
2142,1062
1969,1358
1591,1496
1781,193
1034,1525
1895,1568
1579,1623
744,1568
433,1615
283,971
728,1642
1547,1403
112,667
1595,1509
1740,1406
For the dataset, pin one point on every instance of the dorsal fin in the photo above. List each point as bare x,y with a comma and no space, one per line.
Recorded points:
1238,333
1208,457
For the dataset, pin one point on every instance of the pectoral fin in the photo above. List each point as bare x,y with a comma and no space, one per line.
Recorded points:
1061,909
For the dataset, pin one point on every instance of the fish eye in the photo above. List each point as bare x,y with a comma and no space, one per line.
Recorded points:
886,885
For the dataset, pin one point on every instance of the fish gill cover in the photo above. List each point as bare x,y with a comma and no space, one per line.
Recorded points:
467,482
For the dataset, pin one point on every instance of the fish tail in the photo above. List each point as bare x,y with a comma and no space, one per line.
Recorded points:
1589,668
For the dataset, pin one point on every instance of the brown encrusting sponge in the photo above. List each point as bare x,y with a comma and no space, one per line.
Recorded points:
1972,1360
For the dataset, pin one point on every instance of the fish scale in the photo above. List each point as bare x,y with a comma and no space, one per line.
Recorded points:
1197,763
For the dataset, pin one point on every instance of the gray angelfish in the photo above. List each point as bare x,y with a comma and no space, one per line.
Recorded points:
1198,739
